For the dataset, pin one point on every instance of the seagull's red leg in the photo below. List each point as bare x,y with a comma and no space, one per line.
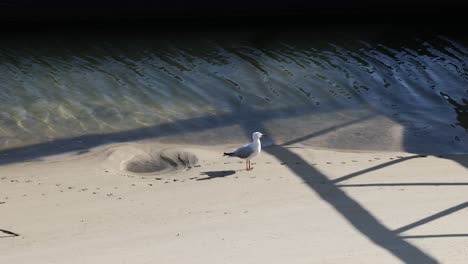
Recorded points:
246,166
250,166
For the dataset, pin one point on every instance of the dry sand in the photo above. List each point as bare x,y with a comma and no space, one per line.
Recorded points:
298,205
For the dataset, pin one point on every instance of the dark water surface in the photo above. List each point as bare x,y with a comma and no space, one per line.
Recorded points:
369,88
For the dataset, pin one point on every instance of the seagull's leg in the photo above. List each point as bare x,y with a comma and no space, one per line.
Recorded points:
250,166
246,166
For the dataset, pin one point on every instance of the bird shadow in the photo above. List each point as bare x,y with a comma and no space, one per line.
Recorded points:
8,233
216,174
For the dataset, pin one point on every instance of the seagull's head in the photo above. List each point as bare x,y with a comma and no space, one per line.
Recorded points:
257,135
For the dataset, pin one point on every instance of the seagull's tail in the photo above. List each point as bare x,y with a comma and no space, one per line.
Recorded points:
228,154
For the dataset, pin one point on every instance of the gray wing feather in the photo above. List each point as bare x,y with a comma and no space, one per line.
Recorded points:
244,152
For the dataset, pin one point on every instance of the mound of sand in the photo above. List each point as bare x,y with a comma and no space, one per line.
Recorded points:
149,160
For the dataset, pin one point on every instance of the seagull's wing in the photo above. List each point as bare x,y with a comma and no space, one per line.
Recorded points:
244,152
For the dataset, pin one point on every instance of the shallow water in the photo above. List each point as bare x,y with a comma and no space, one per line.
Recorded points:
349,88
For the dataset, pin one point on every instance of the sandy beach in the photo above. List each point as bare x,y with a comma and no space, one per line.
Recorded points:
298,205
113,130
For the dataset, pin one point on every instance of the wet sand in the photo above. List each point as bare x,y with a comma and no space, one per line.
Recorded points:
192,205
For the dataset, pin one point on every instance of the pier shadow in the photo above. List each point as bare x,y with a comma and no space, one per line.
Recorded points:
356,215
403,184
460,159
432,217
380,166
434,236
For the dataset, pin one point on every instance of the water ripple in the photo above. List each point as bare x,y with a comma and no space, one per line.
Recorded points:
64,88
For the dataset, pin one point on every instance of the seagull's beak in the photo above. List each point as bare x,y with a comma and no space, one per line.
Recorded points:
263,135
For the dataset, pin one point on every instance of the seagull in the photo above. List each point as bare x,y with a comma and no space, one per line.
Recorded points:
248,151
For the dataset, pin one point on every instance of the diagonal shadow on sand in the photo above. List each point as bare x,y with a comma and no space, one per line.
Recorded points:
361,219
432,217
434,236
380,166
352,211
403,184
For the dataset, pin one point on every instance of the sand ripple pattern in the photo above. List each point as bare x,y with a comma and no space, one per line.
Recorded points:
147,161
